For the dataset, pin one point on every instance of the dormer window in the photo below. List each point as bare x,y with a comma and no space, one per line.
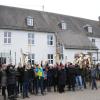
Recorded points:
62,25
88,28
29,21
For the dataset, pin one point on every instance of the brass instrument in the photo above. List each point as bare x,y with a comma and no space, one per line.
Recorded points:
83,60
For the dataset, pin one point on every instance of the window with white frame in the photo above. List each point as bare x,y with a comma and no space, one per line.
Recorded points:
88,28
7,37
30,21
31,38
31,58
63,25
50,58
50,39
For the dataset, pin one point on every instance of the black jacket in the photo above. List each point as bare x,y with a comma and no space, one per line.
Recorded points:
11,76
62,77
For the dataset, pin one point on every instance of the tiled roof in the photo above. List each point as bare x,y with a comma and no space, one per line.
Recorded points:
14,18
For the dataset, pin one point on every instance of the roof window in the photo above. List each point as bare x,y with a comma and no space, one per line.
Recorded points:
29,21
88,28
62,25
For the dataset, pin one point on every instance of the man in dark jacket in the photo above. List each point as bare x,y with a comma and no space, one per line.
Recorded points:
61,79
55,78
25,81
71,77
20,78
49,78
78,77
84,76
31,79
93,77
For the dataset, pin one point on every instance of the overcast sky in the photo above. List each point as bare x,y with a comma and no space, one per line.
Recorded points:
89,9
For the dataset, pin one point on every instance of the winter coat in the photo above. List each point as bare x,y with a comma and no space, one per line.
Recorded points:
3,78
71,75
93,73
55,75
25,75
20,74
62,77
11,76
78,71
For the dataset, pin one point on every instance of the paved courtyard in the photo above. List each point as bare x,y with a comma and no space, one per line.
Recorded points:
87,94
77,95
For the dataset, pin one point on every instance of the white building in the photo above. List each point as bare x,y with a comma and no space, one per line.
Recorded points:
45,36
38,44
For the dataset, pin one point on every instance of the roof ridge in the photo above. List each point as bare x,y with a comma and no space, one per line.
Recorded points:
47,12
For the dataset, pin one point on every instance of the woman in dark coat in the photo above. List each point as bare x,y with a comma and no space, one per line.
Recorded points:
11,81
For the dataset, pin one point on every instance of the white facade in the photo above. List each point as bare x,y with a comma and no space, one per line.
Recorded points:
70,53
40,47
19,40
97,43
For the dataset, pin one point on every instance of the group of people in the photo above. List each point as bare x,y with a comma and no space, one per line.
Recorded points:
39,78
